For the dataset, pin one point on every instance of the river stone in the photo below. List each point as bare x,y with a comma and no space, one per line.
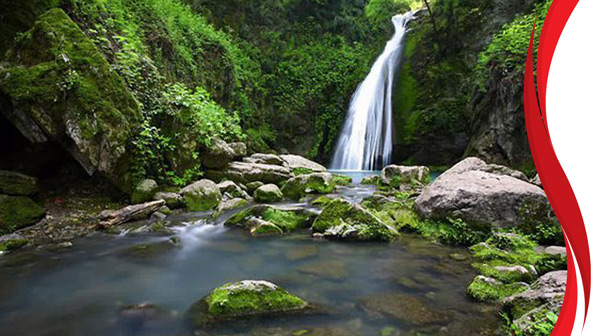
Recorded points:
406,308
231,204
548,289
244,172
144,191
95,121
470,191
230,190
17,212
173,200
270,159
243,299
203,195
344,220
239,149
396,176
297,187
17,184
218,155
295,162
287,219
268,193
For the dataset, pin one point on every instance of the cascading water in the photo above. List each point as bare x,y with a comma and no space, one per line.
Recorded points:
366,142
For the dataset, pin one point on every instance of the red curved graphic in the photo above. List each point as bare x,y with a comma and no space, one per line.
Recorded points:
554,179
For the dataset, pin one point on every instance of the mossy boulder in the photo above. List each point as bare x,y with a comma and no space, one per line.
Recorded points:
405,176
342,180
486,289
59,87
319,183
252,186
17,184
203,195
371,180
17,212
345,220
268,193
255,219
549,289
244,299
230,189
144,191
172,200
8,245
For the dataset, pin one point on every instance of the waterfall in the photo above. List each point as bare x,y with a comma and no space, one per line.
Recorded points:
366,142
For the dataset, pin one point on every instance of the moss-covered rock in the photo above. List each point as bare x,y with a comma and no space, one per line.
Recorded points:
297,187
203,195
371,180
144,191
268,193
549,289
12,244
17,184
173,200
244,299
342,180
342,219
405,176
61,87
490,290
17,212
286,219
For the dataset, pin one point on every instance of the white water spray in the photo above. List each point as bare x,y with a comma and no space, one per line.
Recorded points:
366,142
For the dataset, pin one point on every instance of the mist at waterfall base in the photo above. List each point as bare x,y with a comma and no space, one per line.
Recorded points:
366,141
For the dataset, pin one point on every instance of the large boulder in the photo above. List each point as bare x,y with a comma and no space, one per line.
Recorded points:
396,176
17,212
299,186
58,86
203,195
270,159
218,155
485,195
17,184
296,162
268,193
244,299
144,191
345,220
244,172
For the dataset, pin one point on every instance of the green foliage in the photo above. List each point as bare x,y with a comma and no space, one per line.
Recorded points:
379,12
541,323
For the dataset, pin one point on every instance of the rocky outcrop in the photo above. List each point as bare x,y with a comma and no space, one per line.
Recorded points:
231,190
203,195
547,290
242,299
319,183
270,159
17,184
220,154
344,220
244,172
482,194
57,86
268,193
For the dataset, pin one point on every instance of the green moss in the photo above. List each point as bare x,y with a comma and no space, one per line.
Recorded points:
297,187
342,180
231,300
302,171
488,270
509,248
537,221
264,228
12,244
484,291
548,263
286,220
322,201
17,212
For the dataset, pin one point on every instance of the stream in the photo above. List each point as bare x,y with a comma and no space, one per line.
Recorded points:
409,287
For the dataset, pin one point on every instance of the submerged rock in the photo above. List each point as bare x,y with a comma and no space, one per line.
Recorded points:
342,180
299,186
144,191
405,176
344,220
332,269
406,308
478,194
17,212
268,193
247,298
203,195
266,219
17,184
371,180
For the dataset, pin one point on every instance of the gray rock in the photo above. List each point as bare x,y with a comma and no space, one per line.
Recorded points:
230,189
319,183
405,175
270,159
17,184
299,162
218,155
244,172
470,191
556,250
144,191
268,193
157,216
231,204
173,200
202,195
252,186
548,289
239,148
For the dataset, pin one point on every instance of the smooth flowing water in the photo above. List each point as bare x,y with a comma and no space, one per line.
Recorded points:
366,141
409,287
